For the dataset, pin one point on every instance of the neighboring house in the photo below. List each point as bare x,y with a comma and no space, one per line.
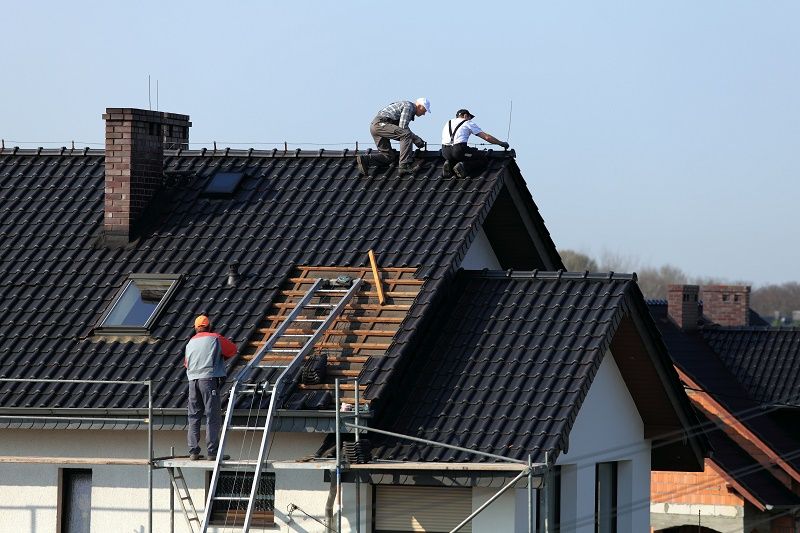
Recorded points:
482,342
743,378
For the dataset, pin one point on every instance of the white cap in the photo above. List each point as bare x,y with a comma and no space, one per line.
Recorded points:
425,103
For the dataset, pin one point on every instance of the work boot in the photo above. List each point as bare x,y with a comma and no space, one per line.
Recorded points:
447,170
195,456
460,170
363,165
405,170
225,457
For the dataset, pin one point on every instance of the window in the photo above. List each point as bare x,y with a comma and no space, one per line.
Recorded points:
605,506
138,303
223,184
75,501
231,513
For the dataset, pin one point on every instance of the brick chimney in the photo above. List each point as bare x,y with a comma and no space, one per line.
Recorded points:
134,164
682,305
727,305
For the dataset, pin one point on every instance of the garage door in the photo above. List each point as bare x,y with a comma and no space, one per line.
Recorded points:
433,509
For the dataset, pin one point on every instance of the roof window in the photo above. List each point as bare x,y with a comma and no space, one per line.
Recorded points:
223,184
138,303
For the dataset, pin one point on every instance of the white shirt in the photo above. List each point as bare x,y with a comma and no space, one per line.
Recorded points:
466,129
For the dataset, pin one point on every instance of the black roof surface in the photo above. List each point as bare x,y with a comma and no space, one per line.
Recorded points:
693,353
765,361
507,364
57,278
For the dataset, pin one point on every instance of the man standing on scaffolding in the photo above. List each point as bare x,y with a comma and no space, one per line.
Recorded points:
205,370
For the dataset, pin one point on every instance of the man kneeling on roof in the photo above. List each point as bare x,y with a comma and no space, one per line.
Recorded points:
460,158
205,369
392,122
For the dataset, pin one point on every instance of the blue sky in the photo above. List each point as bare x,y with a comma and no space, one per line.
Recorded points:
666,132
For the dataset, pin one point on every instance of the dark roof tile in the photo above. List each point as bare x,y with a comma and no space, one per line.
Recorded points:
482,381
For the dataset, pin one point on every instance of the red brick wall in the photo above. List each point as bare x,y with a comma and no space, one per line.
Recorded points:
727,305
702,488
682,305
134,159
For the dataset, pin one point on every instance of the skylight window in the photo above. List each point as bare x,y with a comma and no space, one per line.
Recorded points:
223,184
138,303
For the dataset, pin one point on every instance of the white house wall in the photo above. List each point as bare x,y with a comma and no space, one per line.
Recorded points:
28,492
480,254
608,428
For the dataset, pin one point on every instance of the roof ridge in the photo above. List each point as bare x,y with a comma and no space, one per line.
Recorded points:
552,274
243,152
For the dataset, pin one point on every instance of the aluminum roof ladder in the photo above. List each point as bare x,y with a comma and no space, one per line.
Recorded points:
327,295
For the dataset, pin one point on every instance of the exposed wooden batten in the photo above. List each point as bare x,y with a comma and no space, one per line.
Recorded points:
365,329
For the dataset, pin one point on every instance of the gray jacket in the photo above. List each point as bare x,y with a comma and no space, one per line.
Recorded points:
204,355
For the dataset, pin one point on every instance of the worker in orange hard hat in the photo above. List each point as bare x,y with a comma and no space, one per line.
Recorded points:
203,358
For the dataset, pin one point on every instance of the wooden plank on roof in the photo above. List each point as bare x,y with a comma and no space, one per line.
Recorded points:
356,306
353,269
367,294
362,319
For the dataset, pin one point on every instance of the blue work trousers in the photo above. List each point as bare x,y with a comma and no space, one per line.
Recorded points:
204,400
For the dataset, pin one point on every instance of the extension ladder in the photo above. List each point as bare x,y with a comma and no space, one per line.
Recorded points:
239,492
185,499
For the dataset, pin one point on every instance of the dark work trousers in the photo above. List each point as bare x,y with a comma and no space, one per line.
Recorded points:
472,158
204,399
382,132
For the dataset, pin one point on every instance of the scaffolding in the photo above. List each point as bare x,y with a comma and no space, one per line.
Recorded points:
148,462
535,473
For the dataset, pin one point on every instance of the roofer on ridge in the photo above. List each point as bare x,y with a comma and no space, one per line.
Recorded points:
459,157
392,122
203,359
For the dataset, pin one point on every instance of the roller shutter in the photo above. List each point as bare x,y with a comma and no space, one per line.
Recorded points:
433,509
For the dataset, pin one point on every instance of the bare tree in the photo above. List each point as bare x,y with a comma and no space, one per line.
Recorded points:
577,261
768,300
616,262
783,298
654,281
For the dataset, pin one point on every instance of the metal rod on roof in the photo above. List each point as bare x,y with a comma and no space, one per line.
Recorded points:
443,445
510,110
488,502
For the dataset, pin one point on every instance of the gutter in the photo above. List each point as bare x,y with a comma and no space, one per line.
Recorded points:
289,420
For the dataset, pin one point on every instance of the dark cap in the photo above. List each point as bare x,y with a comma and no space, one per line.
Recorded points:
464,112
